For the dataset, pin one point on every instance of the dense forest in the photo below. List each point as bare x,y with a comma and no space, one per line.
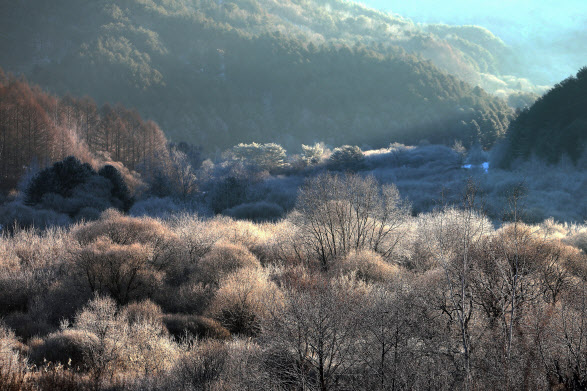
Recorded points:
554,126
215,74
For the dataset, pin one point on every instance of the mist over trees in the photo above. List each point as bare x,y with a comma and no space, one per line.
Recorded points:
290,73
257,181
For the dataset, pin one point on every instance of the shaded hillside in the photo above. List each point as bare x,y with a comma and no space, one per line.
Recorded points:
217,74
555,125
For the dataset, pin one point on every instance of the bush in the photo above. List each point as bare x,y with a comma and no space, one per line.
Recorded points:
196,236
143,311
225,258
27,325
17,215
67,347
13,367
121,198
255,211
197,326
578,240
120,229
199,369
70,187
368,266
124,272
227,193
240,303
59,179
149,349
192,297
312,154
14,293
268,157
241,232
9,345
347,157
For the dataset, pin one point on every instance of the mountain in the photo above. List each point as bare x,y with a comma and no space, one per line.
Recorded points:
217,73
554,126
548,39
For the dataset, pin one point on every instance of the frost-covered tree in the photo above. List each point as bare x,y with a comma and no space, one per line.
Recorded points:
269,156
340,213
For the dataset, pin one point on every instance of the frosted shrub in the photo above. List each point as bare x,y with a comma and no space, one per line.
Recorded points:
191,297
143,311
240,302
196,236
67,347
124,272
13,366
368,266
347,157
120,229
182,325
225,258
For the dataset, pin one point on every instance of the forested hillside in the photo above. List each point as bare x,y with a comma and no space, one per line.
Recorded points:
219,73
554,126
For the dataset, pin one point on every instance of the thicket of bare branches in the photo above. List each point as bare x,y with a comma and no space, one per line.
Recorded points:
389,302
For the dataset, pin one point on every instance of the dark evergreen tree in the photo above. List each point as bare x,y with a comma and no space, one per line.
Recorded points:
75,188
120,192
61,178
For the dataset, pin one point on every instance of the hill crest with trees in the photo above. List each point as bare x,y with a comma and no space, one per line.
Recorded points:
554,126
291,72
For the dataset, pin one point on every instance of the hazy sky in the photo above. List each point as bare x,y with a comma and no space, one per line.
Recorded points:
532,15
555,32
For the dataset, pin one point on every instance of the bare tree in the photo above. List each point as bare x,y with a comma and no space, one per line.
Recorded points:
563,347
106,335
313,338
456,234
337,214
386,331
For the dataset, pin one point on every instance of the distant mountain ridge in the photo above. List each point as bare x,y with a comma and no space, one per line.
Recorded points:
216,73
